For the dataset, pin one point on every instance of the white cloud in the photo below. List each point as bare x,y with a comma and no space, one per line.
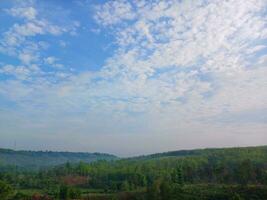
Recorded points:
27,58
173,57
166,50
50,60
19,37
114,12
29,29
21,72
178,65
29,13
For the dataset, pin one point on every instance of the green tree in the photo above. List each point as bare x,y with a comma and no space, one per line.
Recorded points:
5,190
143,181
177,192
64,192
236,197
245,172
165,190
177,176
125,186
75,193
153,191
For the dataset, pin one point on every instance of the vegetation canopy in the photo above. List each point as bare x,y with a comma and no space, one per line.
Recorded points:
227,174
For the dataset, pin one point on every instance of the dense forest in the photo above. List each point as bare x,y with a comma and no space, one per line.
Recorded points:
210,174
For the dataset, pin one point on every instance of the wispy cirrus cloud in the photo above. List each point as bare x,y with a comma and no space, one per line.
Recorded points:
178,67
19,40
189,51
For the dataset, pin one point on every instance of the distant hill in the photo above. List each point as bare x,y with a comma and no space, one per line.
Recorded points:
234,152
42,159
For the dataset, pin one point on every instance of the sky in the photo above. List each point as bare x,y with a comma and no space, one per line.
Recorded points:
132,77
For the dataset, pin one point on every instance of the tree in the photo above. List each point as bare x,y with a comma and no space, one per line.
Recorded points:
75,193
143,181
236,197
153,191
82,168
177,176
165,191
125,186
245,172
5,190
64,192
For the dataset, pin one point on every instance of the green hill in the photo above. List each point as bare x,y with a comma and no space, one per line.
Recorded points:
231,153
42,159
201,174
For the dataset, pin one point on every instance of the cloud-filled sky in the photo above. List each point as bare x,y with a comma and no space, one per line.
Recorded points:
133,77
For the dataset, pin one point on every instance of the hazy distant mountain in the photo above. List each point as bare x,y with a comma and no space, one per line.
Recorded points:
40,159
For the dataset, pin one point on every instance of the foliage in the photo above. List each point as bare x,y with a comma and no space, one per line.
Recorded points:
5,190
226,174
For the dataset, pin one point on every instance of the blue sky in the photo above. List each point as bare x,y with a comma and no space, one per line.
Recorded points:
132,77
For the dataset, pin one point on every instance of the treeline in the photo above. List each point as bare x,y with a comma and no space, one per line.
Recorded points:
224,166
227,174
35,160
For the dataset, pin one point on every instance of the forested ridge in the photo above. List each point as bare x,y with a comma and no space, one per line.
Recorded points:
226,173
247,151
34,160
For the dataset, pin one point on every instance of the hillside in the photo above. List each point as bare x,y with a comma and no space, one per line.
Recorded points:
231,153
200,174
42,159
